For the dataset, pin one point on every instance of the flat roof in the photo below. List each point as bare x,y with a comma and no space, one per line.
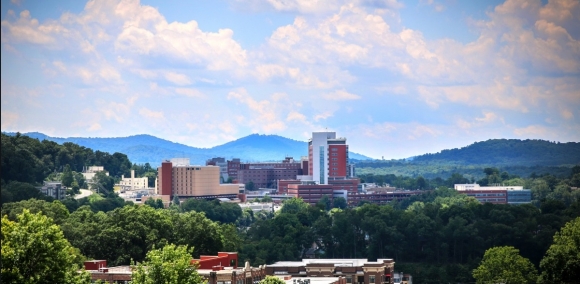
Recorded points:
337,262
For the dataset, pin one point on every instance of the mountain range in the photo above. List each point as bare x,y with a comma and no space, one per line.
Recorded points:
141,149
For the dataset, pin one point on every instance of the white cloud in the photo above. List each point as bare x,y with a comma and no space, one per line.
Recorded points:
265,114
178,79
9,120
189,92
533,131
341,95
147,113
95,127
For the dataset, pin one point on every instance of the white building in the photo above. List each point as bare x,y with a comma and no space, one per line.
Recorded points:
475,186
91,171
134,183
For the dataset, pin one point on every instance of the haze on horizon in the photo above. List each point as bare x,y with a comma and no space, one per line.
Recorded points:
396,78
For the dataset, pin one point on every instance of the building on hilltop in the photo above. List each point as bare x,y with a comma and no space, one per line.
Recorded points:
91,171
496,194
176,177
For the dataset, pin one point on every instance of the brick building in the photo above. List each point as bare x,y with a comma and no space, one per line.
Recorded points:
222,268
264,175
354,271
310,192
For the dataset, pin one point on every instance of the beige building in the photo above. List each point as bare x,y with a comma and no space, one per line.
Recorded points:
178,177
134,183
91,171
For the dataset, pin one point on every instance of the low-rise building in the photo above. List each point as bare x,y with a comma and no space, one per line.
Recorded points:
380,197
91,171
354,271
222,268
53,189
497,194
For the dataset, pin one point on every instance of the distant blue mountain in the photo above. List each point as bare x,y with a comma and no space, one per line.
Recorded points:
149,149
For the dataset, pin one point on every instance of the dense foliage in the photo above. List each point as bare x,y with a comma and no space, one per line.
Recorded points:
518,157
34,250
562,260
171,264
509,152
505,265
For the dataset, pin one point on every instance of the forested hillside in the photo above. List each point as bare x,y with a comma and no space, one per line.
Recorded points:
518,157
509,152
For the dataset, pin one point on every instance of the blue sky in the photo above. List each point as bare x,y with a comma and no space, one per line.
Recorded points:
396,78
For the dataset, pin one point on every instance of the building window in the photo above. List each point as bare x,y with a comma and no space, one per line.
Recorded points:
349,279
371,279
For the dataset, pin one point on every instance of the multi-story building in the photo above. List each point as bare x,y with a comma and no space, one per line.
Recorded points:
327,156
133,183
355,271
222,163
311,192
496,194
178,177
53,189
264,175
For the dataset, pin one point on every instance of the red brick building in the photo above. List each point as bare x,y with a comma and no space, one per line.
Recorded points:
311,193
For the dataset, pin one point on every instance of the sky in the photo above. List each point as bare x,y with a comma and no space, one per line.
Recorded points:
396,78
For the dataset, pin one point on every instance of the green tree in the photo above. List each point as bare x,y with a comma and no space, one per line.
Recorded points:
67,176
34,250
421,183
561,264
339,202
250,186
272,280
55,210
175,200
324,203
504,265
172,264
294,205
